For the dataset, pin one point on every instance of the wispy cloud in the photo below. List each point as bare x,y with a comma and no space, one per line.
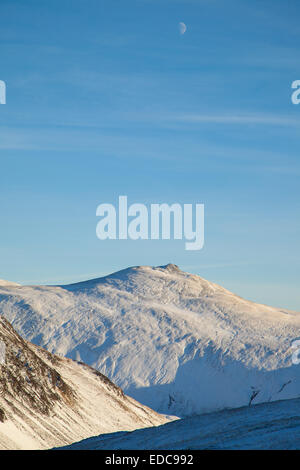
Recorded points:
212,266
240,119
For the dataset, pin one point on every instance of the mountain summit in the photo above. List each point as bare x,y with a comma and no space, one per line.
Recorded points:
172,340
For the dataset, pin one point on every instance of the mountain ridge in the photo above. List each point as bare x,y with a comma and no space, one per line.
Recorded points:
172,340
47,400
268,426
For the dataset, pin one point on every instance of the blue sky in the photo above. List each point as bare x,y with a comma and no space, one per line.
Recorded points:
106,98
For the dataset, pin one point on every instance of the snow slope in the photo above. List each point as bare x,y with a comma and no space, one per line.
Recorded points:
267,426
4,283
172,340
48,401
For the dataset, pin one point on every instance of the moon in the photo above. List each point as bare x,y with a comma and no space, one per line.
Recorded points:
182,28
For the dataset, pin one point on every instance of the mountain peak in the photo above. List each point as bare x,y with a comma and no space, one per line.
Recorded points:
171,268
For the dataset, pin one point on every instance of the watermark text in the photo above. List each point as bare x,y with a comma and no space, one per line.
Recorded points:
2,92
161,221
2,353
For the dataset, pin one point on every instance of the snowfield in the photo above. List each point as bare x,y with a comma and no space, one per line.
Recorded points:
267,426
171,340
48,401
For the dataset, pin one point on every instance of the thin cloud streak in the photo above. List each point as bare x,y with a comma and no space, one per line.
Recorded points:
237,119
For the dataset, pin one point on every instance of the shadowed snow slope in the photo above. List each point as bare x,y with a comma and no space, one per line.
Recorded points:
47,401
266,426
172,340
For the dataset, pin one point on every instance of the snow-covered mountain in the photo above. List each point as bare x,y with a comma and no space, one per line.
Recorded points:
4,283
267,426
47,401
172,340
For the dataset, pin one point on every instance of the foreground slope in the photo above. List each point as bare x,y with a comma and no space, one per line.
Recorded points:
266,426
171,340
46,400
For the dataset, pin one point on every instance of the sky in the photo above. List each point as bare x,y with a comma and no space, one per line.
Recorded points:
107,98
